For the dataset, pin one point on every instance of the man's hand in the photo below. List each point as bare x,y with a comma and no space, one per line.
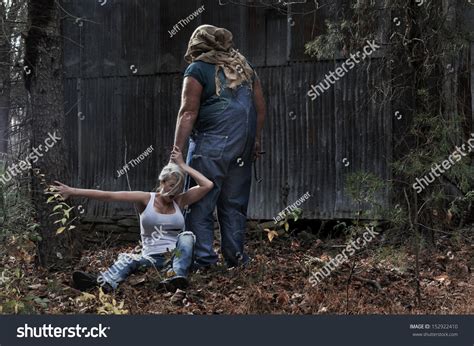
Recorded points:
177,157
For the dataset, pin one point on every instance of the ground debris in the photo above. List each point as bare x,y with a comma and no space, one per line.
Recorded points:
275,282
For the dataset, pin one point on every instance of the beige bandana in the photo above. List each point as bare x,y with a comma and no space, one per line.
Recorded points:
214,45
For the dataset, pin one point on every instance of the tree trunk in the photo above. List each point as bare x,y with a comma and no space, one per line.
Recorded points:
5,84
44,82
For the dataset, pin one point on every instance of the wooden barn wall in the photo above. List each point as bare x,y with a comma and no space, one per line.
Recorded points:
122,111
307,141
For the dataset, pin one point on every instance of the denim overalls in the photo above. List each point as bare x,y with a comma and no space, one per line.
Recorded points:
221,147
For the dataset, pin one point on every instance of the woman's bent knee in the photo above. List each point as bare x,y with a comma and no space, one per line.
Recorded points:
188,236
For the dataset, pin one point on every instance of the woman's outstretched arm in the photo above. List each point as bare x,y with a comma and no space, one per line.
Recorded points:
138,197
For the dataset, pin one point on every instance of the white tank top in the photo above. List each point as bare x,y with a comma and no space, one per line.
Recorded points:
159,232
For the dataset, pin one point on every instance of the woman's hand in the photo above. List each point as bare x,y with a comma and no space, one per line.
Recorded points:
64,190
177,157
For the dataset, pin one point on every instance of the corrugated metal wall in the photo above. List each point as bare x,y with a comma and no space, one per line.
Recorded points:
124,109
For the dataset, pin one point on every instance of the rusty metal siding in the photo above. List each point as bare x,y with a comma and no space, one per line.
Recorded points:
305,141
128,114
306,154
123,33
108,39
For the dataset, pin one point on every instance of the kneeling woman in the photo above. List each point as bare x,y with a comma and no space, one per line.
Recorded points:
161,221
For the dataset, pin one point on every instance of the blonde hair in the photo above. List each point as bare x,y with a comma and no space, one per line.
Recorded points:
171,170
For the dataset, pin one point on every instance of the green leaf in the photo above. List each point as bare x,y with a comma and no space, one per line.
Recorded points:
33,226
287,226
63,220
50,199
60,230
57,207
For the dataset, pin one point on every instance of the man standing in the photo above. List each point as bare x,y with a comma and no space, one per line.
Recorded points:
222,113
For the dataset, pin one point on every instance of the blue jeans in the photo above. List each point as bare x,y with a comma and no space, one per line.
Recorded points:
221,148
127,264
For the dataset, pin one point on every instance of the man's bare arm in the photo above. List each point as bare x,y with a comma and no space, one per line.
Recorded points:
261,113
188,112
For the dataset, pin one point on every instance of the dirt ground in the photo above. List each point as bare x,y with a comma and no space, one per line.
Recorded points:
378,280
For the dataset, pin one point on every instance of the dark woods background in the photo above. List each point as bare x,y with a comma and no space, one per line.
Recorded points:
106,76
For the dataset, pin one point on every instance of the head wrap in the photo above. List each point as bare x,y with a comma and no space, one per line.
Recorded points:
215,46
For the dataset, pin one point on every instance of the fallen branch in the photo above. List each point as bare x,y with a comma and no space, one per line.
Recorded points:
348,283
